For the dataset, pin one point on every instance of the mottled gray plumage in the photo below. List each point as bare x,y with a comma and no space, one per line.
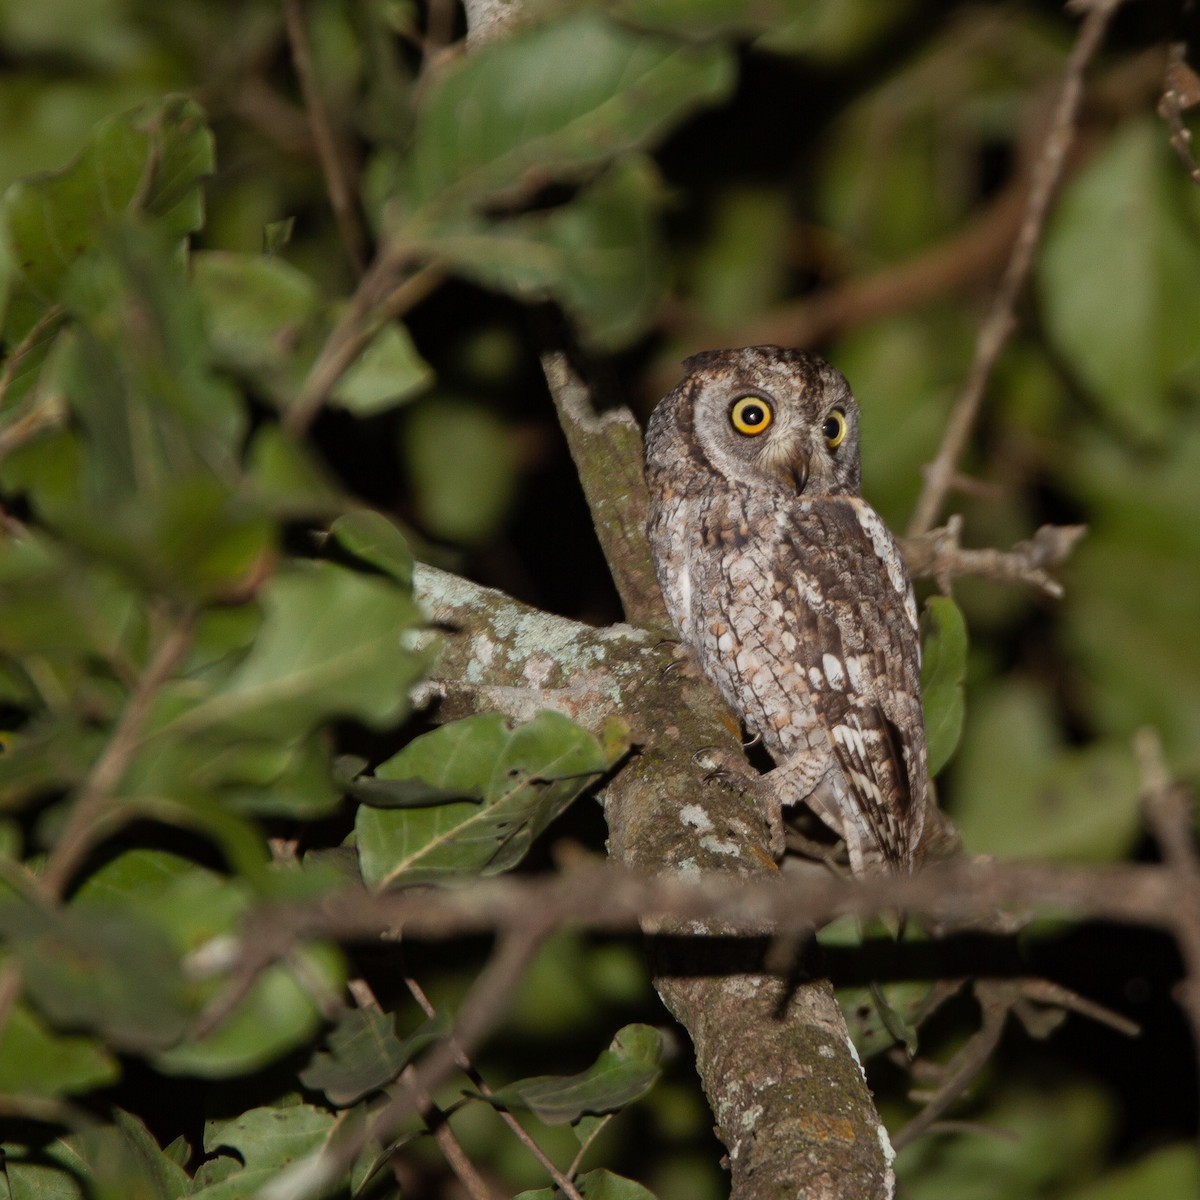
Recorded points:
791,591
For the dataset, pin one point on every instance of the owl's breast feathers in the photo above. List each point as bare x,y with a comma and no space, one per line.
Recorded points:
802,613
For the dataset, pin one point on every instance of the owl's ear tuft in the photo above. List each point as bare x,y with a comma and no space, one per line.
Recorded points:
703,359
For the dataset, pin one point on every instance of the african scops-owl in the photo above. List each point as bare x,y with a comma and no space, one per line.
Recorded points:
791,591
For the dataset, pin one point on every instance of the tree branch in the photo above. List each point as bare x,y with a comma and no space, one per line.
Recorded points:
1000,322
938,555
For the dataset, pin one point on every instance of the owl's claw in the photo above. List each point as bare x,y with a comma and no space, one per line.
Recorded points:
723,767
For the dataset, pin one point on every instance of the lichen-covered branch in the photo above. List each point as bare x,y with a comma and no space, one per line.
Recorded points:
777,1065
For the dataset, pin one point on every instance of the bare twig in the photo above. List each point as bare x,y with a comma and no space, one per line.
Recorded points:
468,1068
938,555
1181,92
483,1007
383,295
333,167
94,810
1000,320
1168,808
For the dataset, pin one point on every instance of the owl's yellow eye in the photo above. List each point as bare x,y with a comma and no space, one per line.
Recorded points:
751,415
834,428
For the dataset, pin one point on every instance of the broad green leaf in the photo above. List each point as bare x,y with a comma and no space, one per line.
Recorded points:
195,910
524,775
463,461
269,1141
113,973
264,317
623,1073
363,1053
596,1185
36,1061
1172,1171
1125,316
943,670
1137,656
600,255
1019,793
139,376
121,1161
150,160
372,537
387,373
1061,1132
288,480
551,102
739,272
331,645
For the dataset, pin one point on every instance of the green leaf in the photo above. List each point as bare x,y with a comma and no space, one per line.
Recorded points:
1126,318
943,671
111,972
364,1054
387,373
551,102
197,912
148,161
1167,1172
370,536
623,1073
1019,794
36,1061
331,645
600,256
121,1161
596,1185
265,317
269,1141
463,461
525,775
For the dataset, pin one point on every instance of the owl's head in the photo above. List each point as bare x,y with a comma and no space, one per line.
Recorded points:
763,416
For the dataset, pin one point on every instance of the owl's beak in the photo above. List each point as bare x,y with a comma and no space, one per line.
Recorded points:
795,471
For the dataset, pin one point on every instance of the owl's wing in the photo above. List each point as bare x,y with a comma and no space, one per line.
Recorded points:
866,692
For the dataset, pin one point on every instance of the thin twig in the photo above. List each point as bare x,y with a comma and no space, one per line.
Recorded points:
938,555
434,1117
469,1069
1000,321
333,168
93,809
479,1012
378,300
1181,92
1168,808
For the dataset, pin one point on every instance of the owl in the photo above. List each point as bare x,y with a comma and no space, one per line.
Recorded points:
791,591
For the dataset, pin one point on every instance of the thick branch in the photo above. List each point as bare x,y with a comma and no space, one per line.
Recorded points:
778,1067
607,450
